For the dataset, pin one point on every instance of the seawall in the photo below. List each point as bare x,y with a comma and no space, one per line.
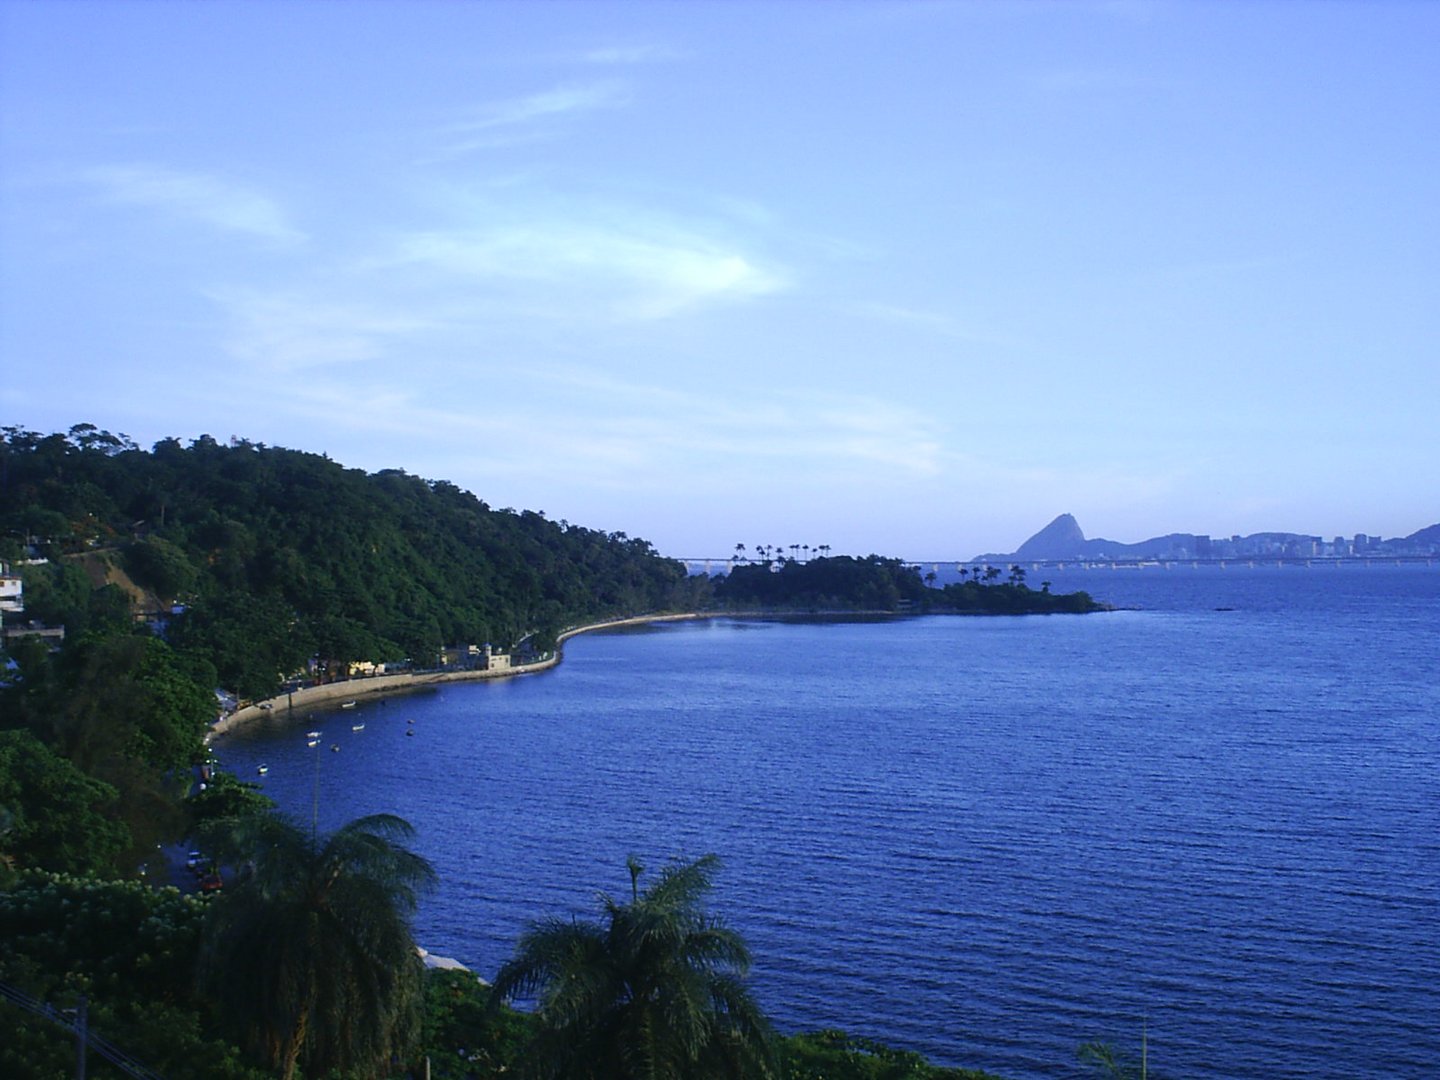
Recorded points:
373,686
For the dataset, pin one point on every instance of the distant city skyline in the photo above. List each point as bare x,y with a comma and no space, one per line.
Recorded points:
905,278
1285,543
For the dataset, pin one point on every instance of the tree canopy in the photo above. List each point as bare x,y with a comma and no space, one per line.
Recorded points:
655,991
277,555
131,950
875,583
308,953
113,723
246,562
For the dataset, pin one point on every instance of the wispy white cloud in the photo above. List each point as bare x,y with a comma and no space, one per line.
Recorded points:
652,426
211,200
526,118
611,434
559,101
641,273
935,322
290,332
631,54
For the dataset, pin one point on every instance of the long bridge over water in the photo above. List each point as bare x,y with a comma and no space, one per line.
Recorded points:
717,564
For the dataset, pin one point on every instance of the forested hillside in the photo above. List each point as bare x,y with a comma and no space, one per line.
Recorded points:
277,555
247,562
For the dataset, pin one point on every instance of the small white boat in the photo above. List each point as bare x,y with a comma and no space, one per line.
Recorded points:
312,742
348,705
357,727
262,769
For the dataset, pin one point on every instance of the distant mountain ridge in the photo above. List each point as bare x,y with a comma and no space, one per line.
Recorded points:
1064,539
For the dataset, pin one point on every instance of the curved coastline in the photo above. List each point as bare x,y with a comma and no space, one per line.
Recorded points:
376,686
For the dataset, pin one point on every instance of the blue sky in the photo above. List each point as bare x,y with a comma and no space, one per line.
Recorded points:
906,278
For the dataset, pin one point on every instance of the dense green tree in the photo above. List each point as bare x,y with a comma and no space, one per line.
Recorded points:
308,953
253,641
834,1055
56,817
463,1036
1013,598
161,566
654,991
110,697
836,584
875,583
57,593
226,796
122,710
281,555
131,950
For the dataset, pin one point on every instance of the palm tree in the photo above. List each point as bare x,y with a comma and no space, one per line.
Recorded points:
655,991
309,951
1104,1060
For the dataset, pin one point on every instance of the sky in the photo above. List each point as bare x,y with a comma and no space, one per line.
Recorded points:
906,278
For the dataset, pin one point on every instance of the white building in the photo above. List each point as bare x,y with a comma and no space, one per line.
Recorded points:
12,590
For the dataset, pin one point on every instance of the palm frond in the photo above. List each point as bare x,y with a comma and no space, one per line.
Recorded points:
654,990
310,951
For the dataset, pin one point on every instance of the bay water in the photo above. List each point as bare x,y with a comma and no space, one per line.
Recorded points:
1212,817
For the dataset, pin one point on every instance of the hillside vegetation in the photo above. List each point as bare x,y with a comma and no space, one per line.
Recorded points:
245,564
278,555
841,583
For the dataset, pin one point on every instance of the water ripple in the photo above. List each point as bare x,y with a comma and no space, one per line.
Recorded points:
987,840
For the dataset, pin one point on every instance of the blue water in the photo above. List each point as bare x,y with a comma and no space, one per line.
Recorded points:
989,840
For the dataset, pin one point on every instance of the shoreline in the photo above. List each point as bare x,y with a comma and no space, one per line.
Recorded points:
381,686
378,686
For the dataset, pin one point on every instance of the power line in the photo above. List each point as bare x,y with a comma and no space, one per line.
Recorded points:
77,1025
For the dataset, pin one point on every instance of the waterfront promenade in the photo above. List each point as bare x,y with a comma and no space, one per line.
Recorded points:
373,686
